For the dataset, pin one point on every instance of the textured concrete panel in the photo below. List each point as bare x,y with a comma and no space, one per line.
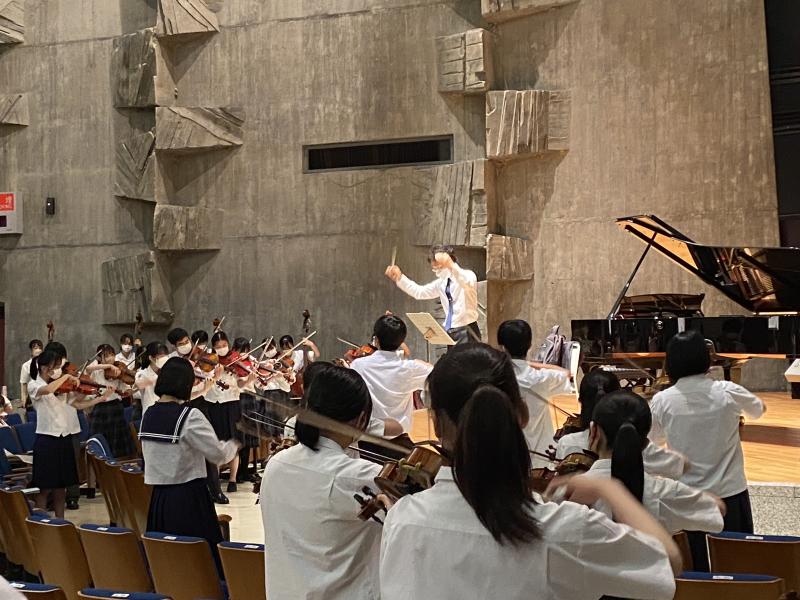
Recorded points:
459,209
139,72
14,110
196,129
136,166
465,62
521,122
12,22
508,258
135,285
185,17
186,228
497,11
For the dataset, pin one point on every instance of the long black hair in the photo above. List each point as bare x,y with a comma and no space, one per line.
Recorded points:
474,386
594,386
337,393
48,358
625,419
152,350
687,354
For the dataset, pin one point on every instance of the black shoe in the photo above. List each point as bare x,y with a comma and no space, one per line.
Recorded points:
72,505
90,493
220,498
231,486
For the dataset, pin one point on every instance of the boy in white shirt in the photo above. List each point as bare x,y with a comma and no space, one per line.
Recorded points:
539,383
35,346
392,380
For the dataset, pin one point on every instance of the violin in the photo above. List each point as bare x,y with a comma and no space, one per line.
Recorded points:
410,475
355,351
51,330
577,462
573,424
85,386
204,360
125,375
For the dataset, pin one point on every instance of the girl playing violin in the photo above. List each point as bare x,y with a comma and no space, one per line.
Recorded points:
247,403
108,418
618,434
479,532
156,355
595,385
316,546
57,428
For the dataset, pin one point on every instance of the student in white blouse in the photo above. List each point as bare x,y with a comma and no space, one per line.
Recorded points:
177,440
300,356
700,418
315,544
479,533
391,380
455,287
157,356
538,383
618,434
126,354
658,460
35,347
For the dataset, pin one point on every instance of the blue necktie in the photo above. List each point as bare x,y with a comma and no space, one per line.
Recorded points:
448,322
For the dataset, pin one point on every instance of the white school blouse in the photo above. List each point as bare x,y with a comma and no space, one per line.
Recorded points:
316,547
217,395
537,386
434,546
147,377
171,464
392,382
55,415
659,461
700,418
99,376
463,291
677,506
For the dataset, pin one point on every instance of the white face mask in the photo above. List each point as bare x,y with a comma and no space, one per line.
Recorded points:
184,349
36,352
161,361
55,374
126,348
222,351
440,273
271,353
202,347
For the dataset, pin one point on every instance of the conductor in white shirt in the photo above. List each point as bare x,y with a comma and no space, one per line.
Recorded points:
392,380
455,287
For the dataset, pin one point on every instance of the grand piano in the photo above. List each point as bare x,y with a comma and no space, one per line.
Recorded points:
633,338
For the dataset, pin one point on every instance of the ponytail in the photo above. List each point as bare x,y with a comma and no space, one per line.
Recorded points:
593,387
627,464
46,359
492,466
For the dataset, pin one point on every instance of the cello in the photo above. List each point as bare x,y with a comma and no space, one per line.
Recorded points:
297,389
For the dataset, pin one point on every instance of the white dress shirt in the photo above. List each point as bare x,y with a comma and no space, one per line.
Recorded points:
677,506
316,547
434,546
699,417
125,360
147,378
392,382
171,464
25,374
463,290
659,461
538,386
99,376
217,395
55,415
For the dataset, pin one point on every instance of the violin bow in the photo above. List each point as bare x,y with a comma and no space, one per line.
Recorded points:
246,355
264,349
218,325
394,255
86,364
296,346
351,344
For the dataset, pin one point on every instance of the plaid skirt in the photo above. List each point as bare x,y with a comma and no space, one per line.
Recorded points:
108,418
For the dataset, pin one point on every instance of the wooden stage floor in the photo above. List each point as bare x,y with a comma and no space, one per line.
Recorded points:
771,444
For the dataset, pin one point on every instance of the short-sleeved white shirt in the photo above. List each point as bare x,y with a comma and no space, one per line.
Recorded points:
55,415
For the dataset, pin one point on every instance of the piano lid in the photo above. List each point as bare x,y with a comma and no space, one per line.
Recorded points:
762,280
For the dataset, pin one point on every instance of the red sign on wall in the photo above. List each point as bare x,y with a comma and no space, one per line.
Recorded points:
7,201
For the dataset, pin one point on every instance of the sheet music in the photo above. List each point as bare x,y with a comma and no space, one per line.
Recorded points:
430,329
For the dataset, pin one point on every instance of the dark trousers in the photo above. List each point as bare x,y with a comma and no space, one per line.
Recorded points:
467,333
738,518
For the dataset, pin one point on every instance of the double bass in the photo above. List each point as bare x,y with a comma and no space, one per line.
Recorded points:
297,389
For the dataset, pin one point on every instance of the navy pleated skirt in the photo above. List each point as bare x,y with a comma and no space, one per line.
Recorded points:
54,464
186,509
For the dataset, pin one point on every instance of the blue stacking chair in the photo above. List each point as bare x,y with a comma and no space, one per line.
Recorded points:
93,593
13,419
731,586
9,440
62,561
115,557
30,416
40,591
98,446
776,555
26,434
243,565
84,435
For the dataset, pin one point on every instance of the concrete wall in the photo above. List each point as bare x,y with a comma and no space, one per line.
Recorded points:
670,115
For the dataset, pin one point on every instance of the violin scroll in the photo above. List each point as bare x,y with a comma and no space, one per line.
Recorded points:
51,330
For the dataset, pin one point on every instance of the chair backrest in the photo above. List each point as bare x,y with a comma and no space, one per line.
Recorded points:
98,446
97,465
17,536
84,423
39,591
774,555
682,541
243,565
115,558
13,419
709,586
61,558
31,416
26,434
9,440
137,497
182,566
100,594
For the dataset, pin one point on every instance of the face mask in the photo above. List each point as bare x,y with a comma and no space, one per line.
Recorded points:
126,348
184,349
222,351
55,374
271,353
161,361
202,347
440,273
36,352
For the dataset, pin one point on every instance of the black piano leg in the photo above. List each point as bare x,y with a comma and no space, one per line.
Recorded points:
795,391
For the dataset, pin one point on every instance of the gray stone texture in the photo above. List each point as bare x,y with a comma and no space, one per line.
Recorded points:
182,228
136,285
184,130
136,166
508,258
185,17
14,110
12,22
497,11
465,62
140,73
